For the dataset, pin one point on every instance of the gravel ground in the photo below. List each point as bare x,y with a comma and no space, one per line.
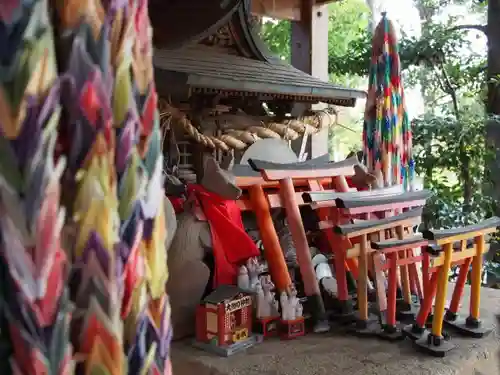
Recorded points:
334,354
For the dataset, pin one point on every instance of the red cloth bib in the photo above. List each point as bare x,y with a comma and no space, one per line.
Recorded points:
177,203
231,244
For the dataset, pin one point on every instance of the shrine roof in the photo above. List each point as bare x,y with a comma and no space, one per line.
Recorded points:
224,293
202,48
206,69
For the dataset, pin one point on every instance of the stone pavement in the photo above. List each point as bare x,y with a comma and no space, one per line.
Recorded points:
334,354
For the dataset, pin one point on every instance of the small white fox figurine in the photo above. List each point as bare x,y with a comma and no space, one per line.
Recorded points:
291,308
285,307
298,310
263,308
269,297
253,272
243,278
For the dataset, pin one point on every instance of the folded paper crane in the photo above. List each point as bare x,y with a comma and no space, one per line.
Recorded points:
93,130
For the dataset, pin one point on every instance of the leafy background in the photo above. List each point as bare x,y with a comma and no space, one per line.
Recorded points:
456,84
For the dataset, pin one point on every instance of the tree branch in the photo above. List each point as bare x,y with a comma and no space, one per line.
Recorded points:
439,80
434,101
451,90
481,28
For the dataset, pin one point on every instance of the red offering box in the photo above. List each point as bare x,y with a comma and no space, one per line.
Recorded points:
267,327
290,329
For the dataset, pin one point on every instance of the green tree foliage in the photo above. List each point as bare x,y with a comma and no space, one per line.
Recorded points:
347,21
453,80
277,35
443,150
449,138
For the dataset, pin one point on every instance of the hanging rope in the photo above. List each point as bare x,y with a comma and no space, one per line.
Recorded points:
240,139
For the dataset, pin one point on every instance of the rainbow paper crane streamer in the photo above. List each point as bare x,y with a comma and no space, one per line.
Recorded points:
35,309
88,123
122,316
387,138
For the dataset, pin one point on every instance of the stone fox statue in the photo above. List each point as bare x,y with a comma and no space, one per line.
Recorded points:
189,274
362,177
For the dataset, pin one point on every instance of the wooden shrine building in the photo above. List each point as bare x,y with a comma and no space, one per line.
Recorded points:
217,78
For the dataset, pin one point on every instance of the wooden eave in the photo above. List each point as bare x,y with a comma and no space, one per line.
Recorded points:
224,293
208,71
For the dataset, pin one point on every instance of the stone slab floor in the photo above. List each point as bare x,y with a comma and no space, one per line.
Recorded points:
335,354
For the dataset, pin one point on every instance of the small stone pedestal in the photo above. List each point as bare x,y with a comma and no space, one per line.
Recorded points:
434,345
467,327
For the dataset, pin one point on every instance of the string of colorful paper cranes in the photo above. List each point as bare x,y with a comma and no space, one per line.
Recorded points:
387,138
86,121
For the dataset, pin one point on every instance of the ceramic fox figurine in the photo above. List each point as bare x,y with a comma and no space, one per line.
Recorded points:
263,307
269,295
293,303
243,278
275,308
298,310
285,306
291,308
253,272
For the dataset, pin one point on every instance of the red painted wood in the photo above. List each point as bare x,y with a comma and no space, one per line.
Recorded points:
334,240
273,252
298,233
415,279
460,285
245,182
392,288
426,306
402,262
274,174
221,324
425,271
384,207
405,247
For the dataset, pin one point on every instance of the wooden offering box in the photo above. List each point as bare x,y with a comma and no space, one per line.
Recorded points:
267,327
290,329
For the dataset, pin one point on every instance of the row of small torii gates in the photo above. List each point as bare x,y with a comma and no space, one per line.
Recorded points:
373,241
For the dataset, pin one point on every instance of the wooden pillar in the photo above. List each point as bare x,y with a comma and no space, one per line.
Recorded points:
301,39
309,53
